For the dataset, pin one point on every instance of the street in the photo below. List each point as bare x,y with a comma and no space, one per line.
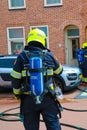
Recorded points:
76,118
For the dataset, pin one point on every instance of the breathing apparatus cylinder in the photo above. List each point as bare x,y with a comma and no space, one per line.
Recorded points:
36,76
80,55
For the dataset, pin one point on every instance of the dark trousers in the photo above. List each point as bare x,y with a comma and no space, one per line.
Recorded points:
48,110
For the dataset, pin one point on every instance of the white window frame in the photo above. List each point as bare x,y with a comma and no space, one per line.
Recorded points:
9,40
38,26
17,7
55,4
77,36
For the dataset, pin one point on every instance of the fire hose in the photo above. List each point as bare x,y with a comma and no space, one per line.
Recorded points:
5,116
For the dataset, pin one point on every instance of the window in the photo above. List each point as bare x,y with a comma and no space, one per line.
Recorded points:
45,29
16,4
7,62
73,32
53,2
16,39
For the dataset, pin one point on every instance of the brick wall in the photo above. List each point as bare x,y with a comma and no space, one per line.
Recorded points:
72,12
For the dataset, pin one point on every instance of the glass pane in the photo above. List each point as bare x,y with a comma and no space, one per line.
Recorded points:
6,63
43,29
16,47
17,3
16,33
53,1
73,32
75,46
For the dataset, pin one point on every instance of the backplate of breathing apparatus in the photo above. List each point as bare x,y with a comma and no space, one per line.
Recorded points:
35,70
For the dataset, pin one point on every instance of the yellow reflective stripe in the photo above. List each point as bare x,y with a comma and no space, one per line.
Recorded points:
85,56
16,91
48,72
52,86
16,74
24,73
84,79
27,93
58,70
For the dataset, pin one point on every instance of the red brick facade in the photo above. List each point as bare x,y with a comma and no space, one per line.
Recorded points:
58,18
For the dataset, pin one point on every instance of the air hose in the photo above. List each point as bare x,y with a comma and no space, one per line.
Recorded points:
4,114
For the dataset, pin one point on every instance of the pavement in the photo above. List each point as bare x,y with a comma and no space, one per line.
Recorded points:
76,116
82,94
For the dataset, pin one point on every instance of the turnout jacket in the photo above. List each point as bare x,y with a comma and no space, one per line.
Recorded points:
18,73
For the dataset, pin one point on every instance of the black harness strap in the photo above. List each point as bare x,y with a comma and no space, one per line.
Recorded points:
36,70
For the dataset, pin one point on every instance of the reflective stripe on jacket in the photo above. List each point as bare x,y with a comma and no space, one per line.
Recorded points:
18,73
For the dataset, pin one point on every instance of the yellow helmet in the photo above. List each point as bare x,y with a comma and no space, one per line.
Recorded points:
37,35
84,45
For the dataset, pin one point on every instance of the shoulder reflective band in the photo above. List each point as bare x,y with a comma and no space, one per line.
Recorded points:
58,70
16,74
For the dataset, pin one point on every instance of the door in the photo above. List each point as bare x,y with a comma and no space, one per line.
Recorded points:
71,47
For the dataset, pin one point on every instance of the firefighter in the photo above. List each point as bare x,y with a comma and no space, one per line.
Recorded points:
81,55
84,68
48,107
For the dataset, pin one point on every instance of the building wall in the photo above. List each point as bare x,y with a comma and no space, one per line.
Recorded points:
72,12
